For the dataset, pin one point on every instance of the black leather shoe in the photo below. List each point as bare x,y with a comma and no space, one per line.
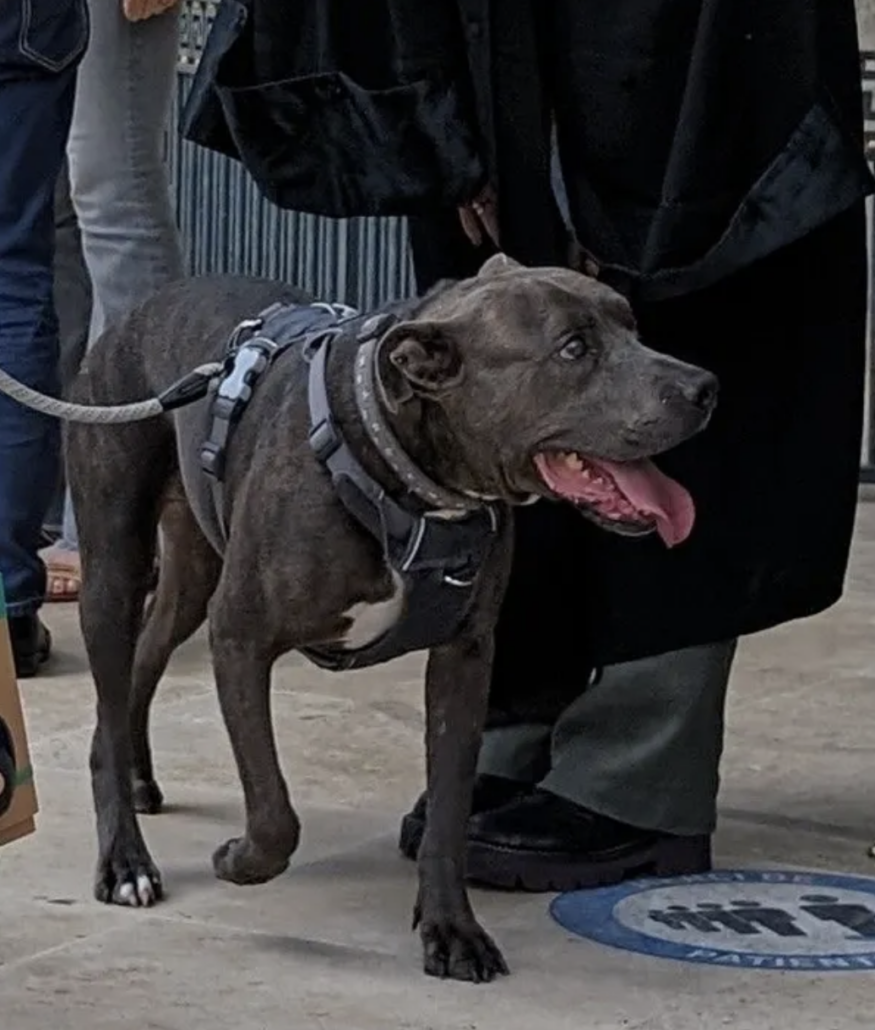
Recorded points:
489,792
542,842
31,644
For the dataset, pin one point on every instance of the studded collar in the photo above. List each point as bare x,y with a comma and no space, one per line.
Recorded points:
367,396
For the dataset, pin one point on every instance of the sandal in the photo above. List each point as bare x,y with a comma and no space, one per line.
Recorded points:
63,574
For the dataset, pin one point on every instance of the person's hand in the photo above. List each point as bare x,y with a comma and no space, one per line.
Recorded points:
479,216
139,10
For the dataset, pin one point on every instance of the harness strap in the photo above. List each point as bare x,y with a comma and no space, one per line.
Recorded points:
277,328
397,530
410,541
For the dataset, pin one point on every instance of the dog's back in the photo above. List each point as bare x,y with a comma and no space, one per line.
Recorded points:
177,328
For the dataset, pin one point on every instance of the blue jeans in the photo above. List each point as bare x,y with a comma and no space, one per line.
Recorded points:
41,42
116,225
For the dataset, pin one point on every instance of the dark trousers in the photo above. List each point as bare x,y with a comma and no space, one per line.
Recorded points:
41,42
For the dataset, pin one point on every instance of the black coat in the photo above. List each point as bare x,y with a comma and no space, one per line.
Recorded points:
341,107
713,159
711,131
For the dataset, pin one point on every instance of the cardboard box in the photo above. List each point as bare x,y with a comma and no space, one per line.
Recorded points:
18,820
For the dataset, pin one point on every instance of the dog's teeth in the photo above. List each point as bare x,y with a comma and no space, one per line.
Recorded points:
573,461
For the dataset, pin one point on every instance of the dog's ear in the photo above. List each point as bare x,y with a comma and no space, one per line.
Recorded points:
497,264
418,359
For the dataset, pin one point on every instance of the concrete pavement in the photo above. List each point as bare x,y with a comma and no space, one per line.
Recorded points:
327,946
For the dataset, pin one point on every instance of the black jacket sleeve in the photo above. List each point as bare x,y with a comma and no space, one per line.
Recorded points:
342,107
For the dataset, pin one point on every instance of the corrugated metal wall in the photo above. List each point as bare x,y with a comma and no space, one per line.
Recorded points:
229,227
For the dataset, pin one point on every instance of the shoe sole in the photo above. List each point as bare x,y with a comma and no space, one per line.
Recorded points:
540,873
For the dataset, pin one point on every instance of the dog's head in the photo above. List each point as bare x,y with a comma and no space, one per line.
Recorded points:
533,383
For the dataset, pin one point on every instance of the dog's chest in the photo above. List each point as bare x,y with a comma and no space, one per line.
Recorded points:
370,621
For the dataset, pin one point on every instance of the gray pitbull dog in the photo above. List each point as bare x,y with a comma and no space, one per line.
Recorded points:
516,385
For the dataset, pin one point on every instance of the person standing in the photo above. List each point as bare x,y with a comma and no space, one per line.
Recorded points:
711,161
117,235
41,45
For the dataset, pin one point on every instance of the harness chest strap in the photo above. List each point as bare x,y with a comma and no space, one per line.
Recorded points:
409,539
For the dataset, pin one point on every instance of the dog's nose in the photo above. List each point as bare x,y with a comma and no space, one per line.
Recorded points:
700,391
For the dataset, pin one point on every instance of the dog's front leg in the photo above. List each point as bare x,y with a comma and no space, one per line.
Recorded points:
457,690
272,827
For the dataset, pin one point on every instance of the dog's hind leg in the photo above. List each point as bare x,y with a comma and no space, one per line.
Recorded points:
116,478
189,572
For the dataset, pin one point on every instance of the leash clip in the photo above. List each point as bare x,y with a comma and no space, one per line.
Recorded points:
187,390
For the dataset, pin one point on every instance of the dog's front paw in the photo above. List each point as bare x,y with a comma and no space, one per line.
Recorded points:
127,876
241,862
460,950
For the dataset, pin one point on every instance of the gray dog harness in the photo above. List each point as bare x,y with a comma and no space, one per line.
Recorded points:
437,554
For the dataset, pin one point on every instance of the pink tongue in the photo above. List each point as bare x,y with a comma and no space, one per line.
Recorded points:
653,493
648,491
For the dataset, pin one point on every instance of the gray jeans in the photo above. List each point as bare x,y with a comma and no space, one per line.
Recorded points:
643,745
117,239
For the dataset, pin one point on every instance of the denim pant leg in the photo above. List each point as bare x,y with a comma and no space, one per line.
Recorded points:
118,176
72,303
40,43
73,294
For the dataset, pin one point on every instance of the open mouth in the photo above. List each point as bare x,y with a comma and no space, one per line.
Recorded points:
629,496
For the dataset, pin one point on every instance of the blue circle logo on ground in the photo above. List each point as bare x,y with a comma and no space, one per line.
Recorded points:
793,921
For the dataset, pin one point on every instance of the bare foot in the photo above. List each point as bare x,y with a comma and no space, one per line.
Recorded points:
63,573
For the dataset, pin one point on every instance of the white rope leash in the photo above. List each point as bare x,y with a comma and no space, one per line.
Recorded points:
191,388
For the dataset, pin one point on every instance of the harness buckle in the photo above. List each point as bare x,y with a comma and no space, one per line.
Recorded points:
324,439
213,459
232,396
249,362
225,413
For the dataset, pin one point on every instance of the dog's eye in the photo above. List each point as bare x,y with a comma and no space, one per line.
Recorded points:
574,349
